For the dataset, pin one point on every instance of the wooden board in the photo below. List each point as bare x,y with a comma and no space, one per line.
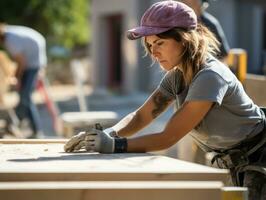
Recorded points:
33,141
109,190
7,72
235,193
43,160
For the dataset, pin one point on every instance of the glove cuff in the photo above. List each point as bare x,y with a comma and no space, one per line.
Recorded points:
111,132
120,145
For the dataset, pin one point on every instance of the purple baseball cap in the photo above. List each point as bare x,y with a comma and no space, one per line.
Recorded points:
163,16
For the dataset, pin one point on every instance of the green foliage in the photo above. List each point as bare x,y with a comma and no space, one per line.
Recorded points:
62,22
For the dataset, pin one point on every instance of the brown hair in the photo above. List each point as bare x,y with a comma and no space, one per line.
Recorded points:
198,44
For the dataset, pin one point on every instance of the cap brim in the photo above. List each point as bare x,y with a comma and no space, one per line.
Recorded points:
141,31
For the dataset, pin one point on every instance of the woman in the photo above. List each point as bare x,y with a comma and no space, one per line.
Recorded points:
210,98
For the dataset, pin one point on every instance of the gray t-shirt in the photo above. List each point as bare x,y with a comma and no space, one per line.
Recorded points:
233,118
27,42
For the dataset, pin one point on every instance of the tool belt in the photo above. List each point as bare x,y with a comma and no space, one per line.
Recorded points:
233,158
238,159
239,156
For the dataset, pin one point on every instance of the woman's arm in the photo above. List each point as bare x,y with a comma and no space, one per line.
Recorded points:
183,121
135,121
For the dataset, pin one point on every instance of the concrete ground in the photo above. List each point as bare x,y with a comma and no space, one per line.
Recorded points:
66,100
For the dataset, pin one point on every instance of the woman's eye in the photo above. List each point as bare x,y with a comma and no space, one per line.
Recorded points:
159,43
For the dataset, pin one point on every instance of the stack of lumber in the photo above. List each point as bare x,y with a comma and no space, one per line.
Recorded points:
40,169
7,72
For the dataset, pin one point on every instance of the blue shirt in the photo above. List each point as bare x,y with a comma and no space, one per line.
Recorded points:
20,40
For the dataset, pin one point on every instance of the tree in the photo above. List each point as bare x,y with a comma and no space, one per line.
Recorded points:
62,22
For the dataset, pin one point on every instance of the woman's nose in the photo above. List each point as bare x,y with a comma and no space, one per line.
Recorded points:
154,50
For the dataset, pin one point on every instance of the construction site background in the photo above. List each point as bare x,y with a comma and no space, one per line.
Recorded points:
64,92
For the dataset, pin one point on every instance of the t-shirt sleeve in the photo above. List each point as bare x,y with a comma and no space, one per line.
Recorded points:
208,86
13,47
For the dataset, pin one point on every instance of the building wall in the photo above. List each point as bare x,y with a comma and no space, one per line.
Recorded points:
242,21
250,25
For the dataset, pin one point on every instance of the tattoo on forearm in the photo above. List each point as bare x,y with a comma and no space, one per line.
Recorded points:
160,101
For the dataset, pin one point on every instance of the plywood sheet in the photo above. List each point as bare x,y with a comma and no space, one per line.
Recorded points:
167,190
46,161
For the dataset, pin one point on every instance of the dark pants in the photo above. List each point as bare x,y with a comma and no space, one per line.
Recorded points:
254,180
248,170
256,184
26,108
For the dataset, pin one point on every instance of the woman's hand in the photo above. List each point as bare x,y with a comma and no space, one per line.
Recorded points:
93,140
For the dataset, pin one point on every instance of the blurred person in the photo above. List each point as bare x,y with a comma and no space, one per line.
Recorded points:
27,48
211,101
200,6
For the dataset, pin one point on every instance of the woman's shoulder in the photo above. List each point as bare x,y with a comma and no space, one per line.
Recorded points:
214,67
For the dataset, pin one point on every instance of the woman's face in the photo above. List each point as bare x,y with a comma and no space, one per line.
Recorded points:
166,51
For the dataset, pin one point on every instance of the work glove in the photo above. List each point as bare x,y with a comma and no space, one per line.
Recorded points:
111,132
93,140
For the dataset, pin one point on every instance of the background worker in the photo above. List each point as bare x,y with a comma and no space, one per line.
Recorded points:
199,7
211,101
27,48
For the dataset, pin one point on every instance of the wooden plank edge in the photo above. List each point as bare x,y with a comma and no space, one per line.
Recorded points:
111,185
235,193
32,141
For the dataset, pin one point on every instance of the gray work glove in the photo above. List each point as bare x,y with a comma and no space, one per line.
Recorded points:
93,140
111,132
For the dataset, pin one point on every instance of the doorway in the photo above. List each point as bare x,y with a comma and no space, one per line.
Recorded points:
114,62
